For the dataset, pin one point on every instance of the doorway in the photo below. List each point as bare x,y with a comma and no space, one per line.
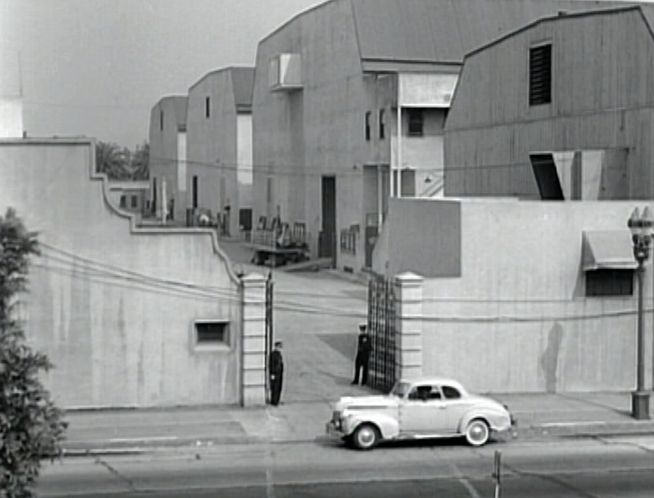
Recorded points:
327,244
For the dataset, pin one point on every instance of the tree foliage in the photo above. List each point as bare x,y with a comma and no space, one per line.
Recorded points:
31,426
119,163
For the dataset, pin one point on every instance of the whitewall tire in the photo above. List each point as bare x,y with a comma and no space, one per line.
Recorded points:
477,432
365,437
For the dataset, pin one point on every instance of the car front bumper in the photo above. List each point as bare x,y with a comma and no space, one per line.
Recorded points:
334,430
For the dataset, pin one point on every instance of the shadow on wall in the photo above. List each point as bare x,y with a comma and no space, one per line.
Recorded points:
549,360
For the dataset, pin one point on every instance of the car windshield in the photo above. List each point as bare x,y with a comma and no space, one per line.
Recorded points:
400,389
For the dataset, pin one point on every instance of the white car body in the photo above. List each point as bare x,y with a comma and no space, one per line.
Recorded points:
430,407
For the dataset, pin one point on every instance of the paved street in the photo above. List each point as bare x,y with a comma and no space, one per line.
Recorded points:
608,467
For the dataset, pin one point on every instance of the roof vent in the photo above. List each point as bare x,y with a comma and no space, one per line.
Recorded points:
562,13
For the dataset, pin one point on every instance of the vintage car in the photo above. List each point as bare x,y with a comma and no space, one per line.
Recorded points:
416,409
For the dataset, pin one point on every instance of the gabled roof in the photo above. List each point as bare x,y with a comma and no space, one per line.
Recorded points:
242,84
444,31
180,106
399,33
647,12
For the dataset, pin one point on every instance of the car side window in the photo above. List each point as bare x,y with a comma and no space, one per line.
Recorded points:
435,393
450,392
425,393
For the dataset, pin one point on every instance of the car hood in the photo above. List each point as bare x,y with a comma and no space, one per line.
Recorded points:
365,402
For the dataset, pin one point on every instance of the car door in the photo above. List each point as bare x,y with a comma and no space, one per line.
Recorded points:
422,411
455,406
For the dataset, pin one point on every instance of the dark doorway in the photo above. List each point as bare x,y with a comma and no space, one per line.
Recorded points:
547,177
327,243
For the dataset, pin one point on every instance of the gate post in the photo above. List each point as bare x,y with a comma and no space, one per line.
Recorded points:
253,340
408,313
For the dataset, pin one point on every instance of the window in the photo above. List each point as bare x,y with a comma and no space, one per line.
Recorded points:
425,393
195,192
416,122
207,107
540,75
450,392
134,201
153,204
349,239
609,282
161,120
368,126
269,190
123,201
211,332
382,124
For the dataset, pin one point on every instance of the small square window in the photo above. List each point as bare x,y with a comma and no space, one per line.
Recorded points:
211,333
416,122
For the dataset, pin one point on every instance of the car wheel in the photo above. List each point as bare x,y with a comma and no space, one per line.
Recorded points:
365,437
477,432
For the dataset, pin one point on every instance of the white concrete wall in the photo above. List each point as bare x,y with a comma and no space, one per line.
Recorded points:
518,319
244,155
113,305
11,117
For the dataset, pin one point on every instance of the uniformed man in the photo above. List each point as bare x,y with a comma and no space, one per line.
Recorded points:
363,354
276,372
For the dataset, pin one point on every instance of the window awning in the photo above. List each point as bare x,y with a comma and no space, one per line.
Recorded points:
608,249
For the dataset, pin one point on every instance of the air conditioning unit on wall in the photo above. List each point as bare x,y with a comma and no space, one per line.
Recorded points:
285,72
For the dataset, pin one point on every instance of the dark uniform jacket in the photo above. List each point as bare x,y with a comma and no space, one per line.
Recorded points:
363,350
276,363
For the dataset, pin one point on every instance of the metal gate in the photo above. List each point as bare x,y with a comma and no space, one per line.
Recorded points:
381,328
269,331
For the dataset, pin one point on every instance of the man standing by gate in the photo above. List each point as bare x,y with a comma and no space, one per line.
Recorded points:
363,354
276,373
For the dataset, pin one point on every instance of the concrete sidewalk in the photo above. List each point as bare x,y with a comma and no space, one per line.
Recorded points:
540,417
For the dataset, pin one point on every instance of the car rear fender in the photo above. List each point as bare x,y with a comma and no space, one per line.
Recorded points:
494,417
388,426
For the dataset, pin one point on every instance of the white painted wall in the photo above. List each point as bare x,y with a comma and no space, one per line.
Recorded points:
11,117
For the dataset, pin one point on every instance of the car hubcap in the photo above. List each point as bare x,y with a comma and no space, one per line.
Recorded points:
477,432
366,437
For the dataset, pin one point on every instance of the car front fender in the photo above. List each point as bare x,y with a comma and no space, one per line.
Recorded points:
388,425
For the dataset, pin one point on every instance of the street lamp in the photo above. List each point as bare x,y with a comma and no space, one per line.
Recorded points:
641,230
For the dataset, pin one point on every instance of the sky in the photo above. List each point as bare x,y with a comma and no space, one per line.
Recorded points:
96,67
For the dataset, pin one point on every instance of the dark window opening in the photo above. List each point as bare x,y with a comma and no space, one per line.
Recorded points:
609,282
382,124
123,201
135,201
450,392
161,120
367,126
547,177
416,122
212,332
207,107
153,205
540,75
195,192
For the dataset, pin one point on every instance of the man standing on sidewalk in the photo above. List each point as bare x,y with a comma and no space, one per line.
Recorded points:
363,354
276,366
